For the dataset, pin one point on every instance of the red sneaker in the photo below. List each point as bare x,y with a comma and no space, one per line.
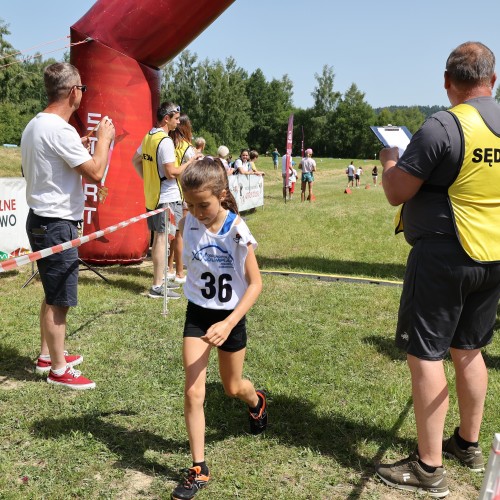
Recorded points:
43,366
71,378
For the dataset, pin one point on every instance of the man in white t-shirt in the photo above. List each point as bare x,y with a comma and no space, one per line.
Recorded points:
155,162
54,159
283,174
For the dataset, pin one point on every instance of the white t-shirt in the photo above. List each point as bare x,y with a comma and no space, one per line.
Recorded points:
169,189
51,149
245,166
283,164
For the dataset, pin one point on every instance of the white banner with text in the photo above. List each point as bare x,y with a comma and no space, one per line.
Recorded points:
248,191
13,215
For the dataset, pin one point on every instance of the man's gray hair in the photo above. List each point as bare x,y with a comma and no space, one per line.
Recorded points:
471,63
59,78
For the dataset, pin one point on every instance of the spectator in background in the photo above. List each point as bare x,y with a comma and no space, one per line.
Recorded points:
242,164
54,159
286,186
308,167
222,154
350,171
357,176
375,175
185,154
253,158
276,157
183,137
291,181
155,162
199,144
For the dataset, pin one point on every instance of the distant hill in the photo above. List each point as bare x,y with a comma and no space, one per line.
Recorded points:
425,110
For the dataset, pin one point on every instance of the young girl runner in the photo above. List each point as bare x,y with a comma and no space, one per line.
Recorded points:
223,282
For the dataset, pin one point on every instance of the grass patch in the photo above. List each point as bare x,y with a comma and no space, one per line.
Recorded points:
10,162
339,389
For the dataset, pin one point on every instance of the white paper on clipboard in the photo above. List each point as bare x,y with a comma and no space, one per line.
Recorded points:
391,136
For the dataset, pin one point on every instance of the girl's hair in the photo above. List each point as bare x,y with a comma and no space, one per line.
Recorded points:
183,131
253,155
209,174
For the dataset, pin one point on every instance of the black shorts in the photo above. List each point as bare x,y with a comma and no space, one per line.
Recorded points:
199,320
448,300
58,272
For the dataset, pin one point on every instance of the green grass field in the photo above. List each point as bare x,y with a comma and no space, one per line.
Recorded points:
339,390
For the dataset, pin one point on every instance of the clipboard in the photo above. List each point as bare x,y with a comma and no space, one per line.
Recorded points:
392,136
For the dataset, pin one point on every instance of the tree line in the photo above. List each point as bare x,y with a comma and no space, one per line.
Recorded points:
229,106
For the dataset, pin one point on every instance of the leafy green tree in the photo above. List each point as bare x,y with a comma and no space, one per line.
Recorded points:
349,126
497,94
180,84
226,108
325,98
281,93
22,92
271,105
385,117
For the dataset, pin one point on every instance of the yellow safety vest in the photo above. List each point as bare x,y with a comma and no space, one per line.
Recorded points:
152,178
476,218
475,194
180,151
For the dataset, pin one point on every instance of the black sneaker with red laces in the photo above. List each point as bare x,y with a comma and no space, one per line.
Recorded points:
188,488
258,421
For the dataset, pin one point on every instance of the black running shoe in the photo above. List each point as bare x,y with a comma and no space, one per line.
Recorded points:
258,422
408,475
188,488
472,457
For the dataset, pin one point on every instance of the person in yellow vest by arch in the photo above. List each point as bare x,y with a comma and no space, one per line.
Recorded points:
154,161
449,181
185,154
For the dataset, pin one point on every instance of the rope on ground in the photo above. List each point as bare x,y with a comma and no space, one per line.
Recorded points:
330,277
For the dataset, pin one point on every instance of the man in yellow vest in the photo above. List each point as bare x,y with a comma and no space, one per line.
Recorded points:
154,161
449,180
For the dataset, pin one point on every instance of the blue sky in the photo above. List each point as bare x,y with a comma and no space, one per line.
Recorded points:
394,51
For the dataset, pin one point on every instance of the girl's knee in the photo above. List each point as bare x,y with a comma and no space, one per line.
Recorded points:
232,390
194,395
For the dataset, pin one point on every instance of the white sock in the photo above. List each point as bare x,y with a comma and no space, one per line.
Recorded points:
45,357
60,372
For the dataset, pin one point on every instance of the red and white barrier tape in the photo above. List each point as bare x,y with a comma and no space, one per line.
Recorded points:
8,265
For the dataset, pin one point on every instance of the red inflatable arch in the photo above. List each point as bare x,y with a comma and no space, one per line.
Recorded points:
124,44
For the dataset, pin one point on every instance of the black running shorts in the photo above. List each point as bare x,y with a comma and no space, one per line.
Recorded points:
448,300
199,320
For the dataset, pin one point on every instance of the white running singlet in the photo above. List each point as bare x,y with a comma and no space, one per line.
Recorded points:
216,262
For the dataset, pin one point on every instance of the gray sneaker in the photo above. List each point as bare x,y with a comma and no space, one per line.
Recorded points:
472,457
408,475
156,292
172,286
